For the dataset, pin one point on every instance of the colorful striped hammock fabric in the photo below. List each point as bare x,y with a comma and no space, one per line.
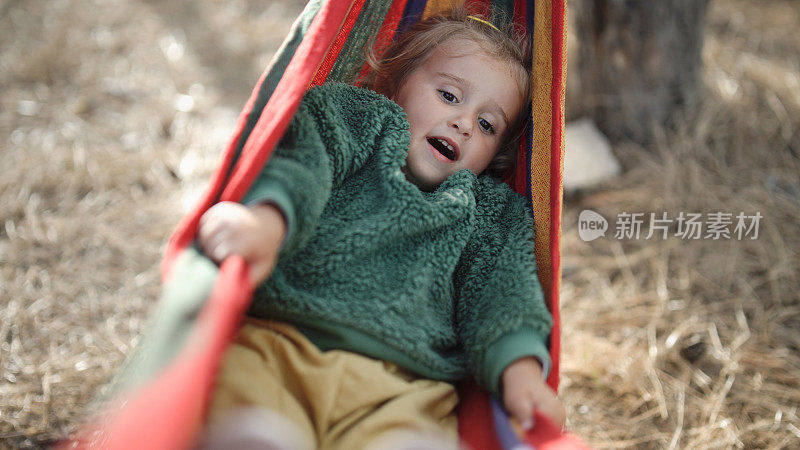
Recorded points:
162,394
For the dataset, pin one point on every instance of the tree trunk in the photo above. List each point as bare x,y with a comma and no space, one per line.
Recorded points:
637,63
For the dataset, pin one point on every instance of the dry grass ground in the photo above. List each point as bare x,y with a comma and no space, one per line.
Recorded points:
113,112
682,343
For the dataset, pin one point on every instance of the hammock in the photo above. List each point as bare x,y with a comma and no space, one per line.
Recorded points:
160,398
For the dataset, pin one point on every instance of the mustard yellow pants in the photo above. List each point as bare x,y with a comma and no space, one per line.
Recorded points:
336,399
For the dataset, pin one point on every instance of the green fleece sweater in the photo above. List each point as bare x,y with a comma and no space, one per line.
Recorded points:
442,283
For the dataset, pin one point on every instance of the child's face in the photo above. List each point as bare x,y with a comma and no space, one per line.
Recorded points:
459,102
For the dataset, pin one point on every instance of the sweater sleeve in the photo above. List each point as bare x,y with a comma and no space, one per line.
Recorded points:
500,310
333,133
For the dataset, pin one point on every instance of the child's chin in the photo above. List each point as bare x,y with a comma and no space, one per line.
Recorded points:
429,185
424,181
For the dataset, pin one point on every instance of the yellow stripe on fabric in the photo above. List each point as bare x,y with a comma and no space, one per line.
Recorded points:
540,152
437,6
561,144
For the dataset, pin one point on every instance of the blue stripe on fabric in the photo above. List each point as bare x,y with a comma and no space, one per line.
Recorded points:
506,436
412,14
528,159
530,13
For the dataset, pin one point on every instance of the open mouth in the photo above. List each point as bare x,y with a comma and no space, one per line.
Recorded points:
444,148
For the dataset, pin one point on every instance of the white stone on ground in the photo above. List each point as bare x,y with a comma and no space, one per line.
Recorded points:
588,160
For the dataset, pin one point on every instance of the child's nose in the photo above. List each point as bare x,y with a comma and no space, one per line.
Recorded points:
463,124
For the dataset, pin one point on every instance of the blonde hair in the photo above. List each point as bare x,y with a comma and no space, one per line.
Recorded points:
392,65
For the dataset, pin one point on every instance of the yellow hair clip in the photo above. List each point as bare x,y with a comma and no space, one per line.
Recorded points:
483,21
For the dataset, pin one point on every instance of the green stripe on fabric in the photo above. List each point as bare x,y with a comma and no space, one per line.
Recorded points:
354,52
275,72
502,12
287,49
180,303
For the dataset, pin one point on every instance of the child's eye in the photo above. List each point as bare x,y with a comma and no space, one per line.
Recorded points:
488,127
448,96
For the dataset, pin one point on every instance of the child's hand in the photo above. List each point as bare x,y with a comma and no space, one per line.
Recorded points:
254,233
524,390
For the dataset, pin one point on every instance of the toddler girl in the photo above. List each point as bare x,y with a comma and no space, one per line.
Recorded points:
390,262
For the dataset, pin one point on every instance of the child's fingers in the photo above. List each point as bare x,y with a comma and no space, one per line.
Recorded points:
215,242
558,413
219,252
260,270
521,409
217,230
216,249
551,407
209,226
219,215
213,214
